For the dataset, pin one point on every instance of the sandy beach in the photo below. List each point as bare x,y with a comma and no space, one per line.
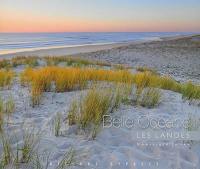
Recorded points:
178,57
113,147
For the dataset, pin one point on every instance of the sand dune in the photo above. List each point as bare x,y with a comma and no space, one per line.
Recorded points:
114,148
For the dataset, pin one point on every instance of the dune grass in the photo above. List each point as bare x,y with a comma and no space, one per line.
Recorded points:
6,78
89,110
67,79
7,107
57,124
167,83
30,141
147,79
31,61
72,113
1,114
67,160
72,61
94,106
4,63
14,156
150,97
25,153
62,79
190,91
7,154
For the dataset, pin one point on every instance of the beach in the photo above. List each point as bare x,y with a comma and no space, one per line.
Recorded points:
113,147
178,57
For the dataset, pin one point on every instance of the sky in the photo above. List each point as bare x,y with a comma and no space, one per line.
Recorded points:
99,15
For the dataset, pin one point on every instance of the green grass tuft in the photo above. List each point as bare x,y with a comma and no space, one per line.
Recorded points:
150,97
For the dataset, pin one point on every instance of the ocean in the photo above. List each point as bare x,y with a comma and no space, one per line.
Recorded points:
17,42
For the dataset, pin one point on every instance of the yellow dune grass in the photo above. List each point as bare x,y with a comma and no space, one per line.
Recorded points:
6,78
73,78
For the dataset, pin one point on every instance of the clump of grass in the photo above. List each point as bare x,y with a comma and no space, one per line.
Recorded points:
190,91
6,78
117,98
27,150
120,94
150,97
88,113
7,155
9,106
72,117
6,108
36,95
168,83
31,61
70,79
57,124
14,156
1,122
1,114
147,79
97,102
91,108
4,63
40,160
143,80
94,106
67,160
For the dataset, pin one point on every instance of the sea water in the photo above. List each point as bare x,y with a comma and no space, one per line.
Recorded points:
16,42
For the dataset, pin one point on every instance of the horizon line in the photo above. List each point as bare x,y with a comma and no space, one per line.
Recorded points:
109,32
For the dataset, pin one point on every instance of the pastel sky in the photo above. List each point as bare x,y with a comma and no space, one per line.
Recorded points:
99,15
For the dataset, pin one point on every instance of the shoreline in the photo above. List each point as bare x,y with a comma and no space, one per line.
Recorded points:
84,48
72,49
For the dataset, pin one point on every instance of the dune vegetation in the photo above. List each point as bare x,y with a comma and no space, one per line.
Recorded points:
88,111
6,77
106,86
63,79
73,61
67,79
31,61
